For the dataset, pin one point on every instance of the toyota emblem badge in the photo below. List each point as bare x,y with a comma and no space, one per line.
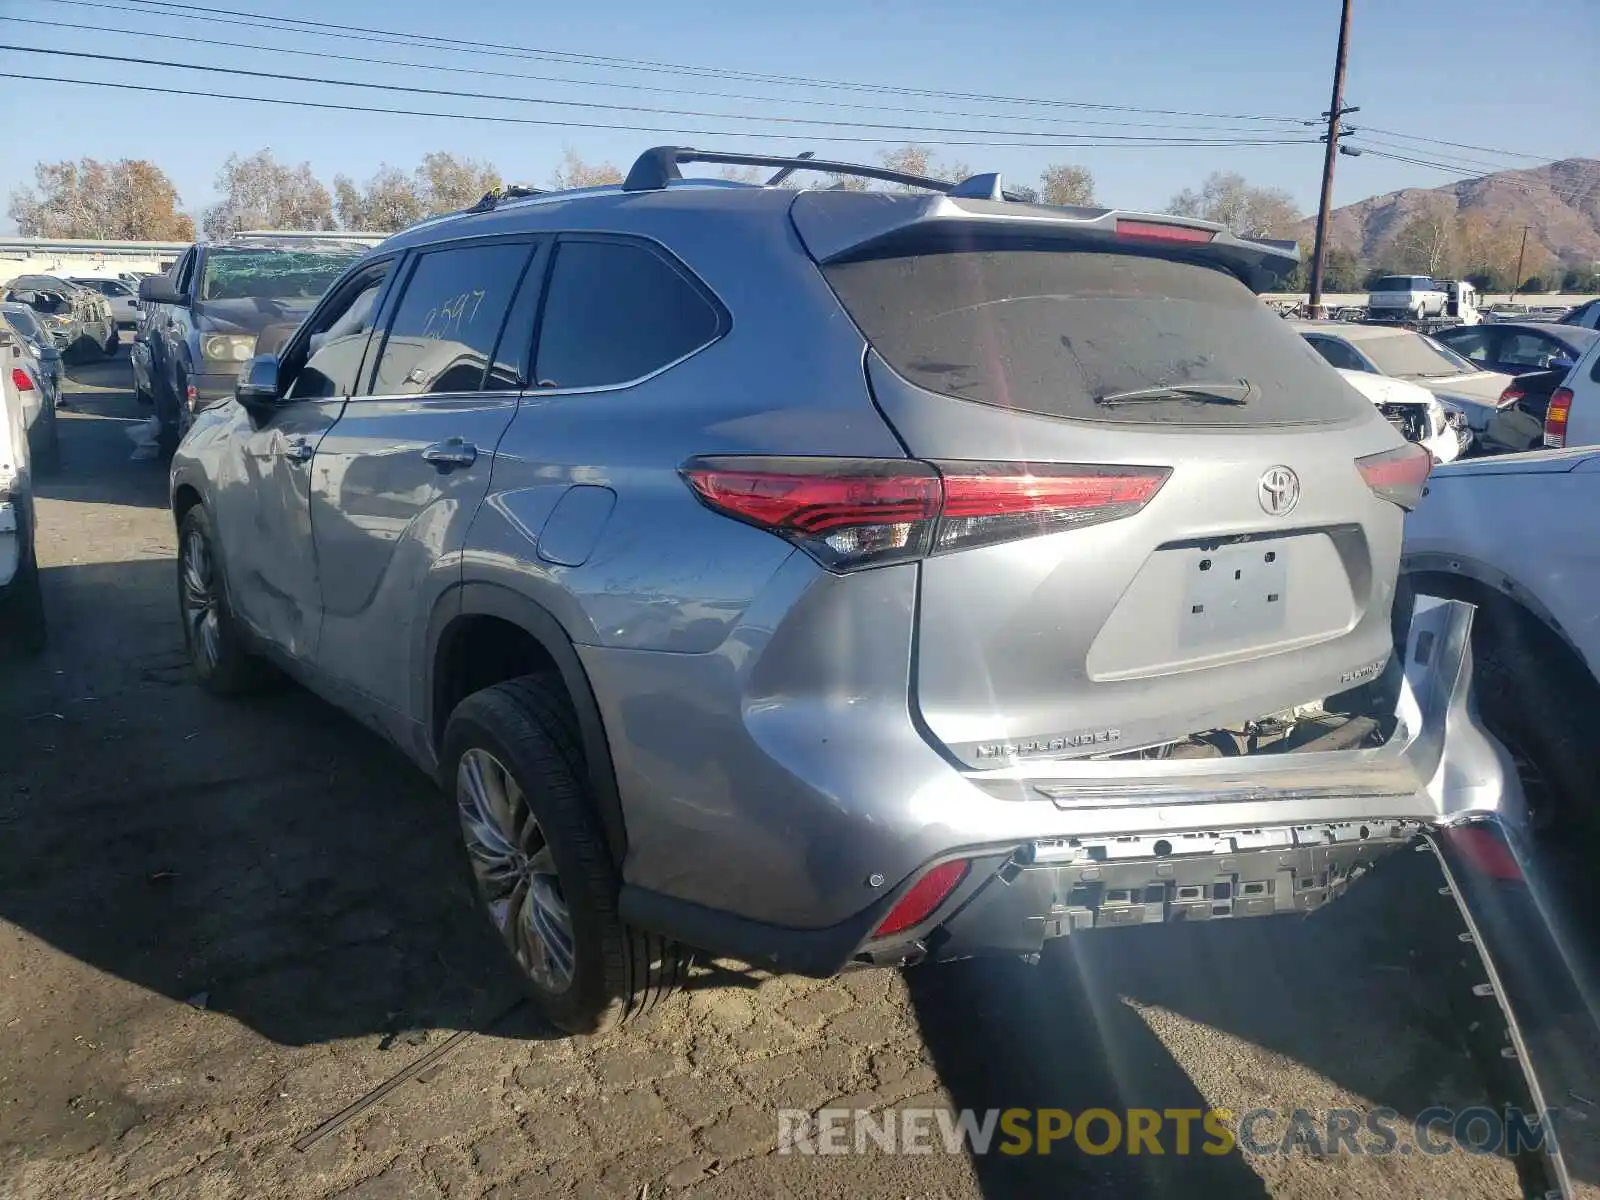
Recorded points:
1278,491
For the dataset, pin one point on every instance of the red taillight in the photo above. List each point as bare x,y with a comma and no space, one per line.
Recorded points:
991,502
847,512
851,513
1510,396
22,379
1397,475
1160,231
922,897
1556,418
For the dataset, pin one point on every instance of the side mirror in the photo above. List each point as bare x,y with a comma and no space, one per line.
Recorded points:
159,290
258,384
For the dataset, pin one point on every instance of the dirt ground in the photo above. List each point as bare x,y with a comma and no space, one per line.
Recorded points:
221,923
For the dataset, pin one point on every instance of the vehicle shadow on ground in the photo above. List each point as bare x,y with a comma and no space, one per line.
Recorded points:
268,853
1341,993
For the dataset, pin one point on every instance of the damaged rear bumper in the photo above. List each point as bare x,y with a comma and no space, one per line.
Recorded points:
1238,838
1058,847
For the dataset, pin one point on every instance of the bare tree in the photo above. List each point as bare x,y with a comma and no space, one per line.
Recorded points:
260,192
575,173
448,184
1429,243
1063,183
390,200
919,160
130,199
1226,198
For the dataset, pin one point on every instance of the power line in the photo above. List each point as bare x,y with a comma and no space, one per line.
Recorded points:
480,72
1474,175
1401,146
411,90
1412,137
287,24
502,120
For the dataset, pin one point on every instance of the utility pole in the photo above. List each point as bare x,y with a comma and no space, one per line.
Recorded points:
1516,283
1335,110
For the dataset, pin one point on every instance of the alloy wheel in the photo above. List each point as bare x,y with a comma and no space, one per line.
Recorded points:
515,870
201,616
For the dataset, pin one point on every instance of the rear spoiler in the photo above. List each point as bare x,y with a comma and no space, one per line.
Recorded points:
845,226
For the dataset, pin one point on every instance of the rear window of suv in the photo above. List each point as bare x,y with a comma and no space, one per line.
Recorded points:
1089,335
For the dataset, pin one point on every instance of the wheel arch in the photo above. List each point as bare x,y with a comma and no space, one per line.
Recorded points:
1460,577
472,606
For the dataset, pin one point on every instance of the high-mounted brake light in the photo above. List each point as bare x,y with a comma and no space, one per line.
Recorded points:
922,897
1160,231
1398,475
23,381
1556,418
850,513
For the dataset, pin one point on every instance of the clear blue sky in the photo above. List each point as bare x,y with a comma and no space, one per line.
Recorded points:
1512,77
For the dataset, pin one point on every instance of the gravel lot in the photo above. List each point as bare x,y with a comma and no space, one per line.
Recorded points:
220,923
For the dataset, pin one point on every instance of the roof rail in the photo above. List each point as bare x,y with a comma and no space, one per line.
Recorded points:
658,166
495,195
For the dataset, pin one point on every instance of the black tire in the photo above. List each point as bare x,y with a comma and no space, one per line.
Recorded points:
223,662
1537,698
23,627
171,416
113,342
617,973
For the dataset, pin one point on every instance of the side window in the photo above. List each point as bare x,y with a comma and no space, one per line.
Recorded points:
1473,343
617,311
449,319
1337,354
337,342
184,273
1524,349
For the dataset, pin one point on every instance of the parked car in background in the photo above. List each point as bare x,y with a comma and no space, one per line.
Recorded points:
1416,413
1515,535
68,311
38,399
1586,316
198,324
22,616
1519,424
1416,358
24,322
1573,415
1512,348
56,311
121,297
762,570
1405,298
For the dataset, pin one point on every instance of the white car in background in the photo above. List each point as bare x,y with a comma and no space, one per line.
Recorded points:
1404,354
122,299
1417,414
1406,297
22,621
1515,535
1573,418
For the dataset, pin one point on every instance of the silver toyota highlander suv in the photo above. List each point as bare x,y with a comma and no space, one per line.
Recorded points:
835,578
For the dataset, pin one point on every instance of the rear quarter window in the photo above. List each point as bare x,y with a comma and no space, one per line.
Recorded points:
1056,332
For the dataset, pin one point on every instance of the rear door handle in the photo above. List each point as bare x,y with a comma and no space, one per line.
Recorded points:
452,452
297,449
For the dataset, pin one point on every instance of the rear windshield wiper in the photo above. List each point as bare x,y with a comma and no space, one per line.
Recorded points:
1236,393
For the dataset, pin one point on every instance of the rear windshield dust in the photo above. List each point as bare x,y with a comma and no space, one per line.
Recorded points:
1050,331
